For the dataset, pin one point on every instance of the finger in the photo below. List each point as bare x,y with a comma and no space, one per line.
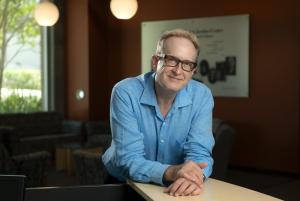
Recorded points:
192,171
181,189
176,184
198,181
189,166
202,165
195,177
189,176
197,191
199,177
167,189
194,166
196,169
192,187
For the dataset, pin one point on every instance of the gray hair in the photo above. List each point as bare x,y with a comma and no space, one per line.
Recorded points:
180,33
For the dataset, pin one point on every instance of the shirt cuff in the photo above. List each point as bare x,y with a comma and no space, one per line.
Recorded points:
158,173
206,173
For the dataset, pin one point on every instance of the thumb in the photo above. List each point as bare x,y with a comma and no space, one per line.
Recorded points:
202,165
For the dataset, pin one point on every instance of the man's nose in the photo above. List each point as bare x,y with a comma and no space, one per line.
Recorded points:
178,68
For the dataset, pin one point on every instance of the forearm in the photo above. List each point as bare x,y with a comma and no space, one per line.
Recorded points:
142,170
170,173
189,170
207,159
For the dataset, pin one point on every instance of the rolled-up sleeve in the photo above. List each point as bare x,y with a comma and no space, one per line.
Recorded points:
199,144
128,141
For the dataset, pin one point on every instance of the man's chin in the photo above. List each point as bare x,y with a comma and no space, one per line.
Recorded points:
174,88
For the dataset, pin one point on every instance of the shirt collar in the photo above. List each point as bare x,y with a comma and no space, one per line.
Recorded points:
183,98
149,97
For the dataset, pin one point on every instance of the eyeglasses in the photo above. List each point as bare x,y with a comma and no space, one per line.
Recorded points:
174,61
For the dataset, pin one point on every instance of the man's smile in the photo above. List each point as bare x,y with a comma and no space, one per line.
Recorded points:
175,78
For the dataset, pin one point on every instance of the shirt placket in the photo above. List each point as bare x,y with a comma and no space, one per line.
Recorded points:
162,141
163,136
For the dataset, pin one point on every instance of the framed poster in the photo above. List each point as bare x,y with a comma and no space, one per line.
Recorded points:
224,51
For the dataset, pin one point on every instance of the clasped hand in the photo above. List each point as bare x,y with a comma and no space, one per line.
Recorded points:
187,179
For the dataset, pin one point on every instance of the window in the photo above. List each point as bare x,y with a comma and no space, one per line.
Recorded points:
21,59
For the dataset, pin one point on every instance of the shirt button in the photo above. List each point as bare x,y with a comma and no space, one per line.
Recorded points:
162,141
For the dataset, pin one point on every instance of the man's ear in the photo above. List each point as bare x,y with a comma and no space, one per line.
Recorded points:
195,71
154,62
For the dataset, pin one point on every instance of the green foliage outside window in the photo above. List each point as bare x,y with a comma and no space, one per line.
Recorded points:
22,79
16,102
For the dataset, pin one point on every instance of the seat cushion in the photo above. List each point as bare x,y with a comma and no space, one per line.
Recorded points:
32,124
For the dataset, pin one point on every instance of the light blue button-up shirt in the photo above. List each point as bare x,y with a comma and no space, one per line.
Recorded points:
145,143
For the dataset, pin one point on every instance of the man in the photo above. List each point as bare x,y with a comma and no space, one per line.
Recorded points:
161,121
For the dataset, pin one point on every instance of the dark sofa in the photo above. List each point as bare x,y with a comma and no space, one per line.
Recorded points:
31,164
38,131
97,133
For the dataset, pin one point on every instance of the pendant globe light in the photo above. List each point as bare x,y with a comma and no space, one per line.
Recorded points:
46,13
123,9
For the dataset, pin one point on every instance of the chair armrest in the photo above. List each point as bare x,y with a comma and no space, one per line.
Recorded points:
6,129
99,140
224,140
31,156
89,168
9,137
97,127
72,126
8,134
32,165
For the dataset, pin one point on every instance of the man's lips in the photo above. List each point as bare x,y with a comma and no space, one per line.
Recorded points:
175,78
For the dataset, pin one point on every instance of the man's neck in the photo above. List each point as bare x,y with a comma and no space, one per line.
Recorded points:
164,98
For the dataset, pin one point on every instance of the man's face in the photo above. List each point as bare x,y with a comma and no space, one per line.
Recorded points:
175,78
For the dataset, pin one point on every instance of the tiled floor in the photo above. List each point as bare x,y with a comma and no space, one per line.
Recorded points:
280,186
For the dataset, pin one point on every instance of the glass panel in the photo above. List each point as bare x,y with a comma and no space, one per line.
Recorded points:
20,57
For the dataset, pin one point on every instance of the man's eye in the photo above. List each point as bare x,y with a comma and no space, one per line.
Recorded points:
190,65
171,61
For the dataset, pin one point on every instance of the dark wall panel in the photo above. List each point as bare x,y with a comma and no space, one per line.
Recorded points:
267,122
